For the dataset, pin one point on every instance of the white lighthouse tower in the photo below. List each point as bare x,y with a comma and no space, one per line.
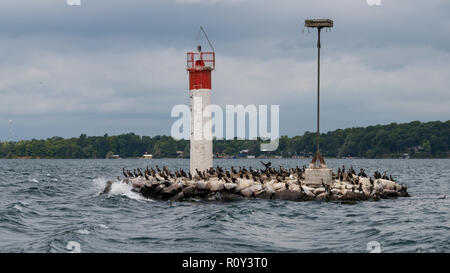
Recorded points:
200,65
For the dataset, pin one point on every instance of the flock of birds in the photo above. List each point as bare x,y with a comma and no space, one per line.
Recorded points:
257,175
267,182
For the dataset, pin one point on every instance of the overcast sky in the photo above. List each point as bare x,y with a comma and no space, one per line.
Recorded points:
111,66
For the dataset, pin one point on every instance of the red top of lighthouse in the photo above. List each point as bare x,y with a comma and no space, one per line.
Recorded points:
201,61
200,64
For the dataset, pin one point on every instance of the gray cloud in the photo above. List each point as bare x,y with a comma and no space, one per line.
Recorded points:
118,66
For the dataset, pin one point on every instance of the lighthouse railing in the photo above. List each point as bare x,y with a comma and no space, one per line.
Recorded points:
207,59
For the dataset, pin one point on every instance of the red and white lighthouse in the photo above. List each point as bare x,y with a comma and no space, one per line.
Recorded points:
200,65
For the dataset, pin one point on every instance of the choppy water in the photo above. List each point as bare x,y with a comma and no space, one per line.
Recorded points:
53,206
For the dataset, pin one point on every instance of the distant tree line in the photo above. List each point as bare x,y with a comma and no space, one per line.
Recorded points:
417,139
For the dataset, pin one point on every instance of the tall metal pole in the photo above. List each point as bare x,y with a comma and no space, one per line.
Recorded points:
319,24
318,90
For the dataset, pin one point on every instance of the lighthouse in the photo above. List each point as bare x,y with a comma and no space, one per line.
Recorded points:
199,66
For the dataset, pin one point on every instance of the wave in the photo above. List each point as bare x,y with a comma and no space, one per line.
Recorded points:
119,188
17,207
83,231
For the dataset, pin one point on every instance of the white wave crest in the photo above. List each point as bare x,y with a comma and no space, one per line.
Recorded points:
83,231
119,188
100,183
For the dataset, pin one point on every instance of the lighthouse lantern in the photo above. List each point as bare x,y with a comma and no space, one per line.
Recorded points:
200,64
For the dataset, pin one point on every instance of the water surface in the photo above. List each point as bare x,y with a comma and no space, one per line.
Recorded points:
47,205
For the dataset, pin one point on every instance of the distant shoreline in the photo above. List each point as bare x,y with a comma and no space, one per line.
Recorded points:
407,140
263,159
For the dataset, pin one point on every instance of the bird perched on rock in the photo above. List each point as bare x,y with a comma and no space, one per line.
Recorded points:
205,176
199,173
362,173
183,173
377,175
165,176
267,165
352,171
